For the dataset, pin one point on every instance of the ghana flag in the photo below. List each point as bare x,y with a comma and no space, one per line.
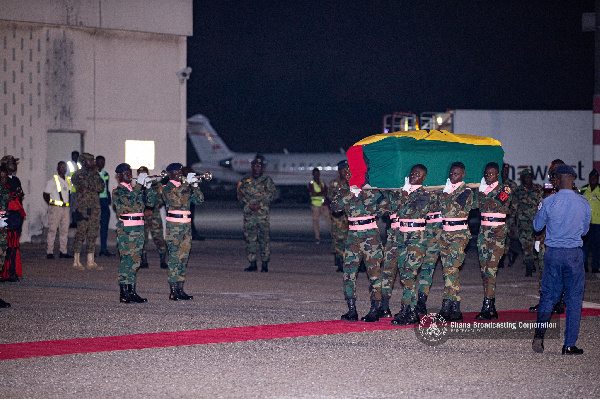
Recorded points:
383,160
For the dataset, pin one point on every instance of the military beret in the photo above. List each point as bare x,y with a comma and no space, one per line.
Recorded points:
86,157
258,160
342,164
526,172
594,172
174,166
565,169
122,167
5,159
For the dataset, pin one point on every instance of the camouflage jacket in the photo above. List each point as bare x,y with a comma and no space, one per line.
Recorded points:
525,204
333,189
180,198
135,201
155,190
457,204
370,202
4,198
89,184
497,201
252,191
412,206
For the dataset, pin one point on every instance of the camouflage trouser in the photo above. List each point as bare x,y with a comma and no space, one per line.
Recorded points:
390,262
452,252
339,232
511,232
411,250
256,232
130,240
490,243
154,226
88,227
179,242
363,245
527,239
432,252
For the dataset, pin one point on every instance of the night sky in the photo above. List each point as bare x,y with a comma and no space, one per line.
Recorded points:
314,76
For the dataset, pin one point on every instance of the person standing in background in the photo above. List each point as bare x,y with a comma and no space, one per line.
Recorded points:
56,196
591,192
104,207
153,224
317,190
339,219
510,220
73,166
12,268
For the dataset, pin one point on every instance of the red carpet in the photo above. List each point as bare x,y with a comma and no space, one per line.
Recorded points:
220,335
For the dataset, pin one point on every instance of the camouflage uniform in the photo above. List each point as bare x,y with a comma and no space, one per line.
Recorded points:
390,252
457,204
361,244
433,231
87,212
130,239
153,224
492,234
262,191
177,197
411,241
524,207
511,230
339,220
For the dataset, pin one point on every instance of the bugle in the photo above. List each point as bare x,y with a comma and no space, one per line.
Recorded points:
207,176
158,177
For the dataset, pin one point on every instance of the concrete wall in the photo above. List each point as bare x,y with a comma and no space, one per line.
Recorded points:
69,71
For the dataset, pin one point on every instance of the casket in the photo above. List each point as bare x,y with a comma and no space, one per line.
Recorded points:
384,160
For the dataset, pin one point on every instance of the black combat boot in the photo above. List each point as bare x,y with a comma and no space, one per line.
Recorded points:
421,307
124,295
252,267
534,308
493,311
174,296
444,312
384,308
134,297
264,268
411,317
455,313
529,268
373,314
4,304
485,313
163,261
352,315
339,261
181,294
538,342
400,316
144,262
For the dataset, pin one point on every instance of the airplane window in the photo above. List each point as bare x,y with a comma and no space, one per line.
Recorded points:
301,166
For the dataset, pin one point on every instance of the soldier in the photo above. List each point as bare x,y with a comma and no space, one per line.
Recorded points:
511,232
87,215
493,201
4,198
255,192
390,255
129,203
433,231
339,220
456,201
177,197
104,207
412,208
525,203
153,223
363,243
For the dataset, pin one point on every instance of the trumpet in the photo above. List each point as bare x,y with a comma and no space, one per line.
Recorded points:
158,177
207,176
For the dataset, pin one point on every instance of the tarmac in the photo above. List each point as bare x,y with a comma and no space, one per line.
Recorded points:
55,302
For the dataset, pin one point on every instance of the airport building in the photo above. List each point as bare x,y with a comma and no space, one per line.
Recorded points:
106,77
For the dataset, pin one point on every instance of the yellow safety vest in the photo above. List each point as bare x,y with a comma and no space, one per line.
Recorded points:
73,167
318,199
60,202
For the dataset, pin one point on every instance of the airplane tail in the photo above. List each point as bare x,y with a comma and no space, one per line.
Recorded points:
208,144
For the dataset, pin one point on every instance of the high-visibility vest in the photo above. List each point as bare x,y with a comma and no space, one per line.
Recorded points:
60,202
317,200
72,168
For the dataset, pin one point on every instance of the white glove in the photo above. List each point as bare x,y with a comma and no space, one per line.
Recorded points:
483,186
148,183
406,186
141,179
448,187
355,190
537,246
3,222
191,178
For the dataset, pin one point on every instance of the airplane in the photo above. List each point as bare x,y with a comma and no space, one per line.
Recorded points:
286,169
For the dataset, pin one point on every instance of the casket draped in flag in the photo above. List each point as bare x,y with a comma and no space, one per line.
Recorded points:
383,160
